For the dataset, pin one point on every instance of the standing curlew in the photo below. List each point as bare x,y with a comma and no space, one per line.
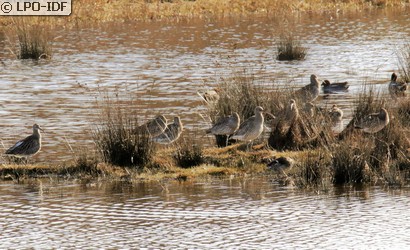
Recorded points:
154,127
250,129
334,87
373,123
29,146
225,126
292,112
171,133
310,92
286,117
397,88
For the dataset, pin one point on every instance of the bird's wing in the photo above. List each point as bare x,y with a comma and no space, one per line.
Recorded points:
26,146
370,119
245,126
222,120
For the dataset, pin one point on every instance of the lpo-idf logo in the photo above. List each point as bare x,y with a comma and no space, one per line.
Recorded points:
35,7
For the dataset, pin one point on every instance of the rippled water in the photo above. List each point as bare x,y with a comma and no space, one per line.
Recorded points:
162,65
213,214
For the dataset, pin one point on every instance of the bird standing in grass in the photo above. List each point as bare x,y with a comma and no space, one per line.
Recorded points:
373,123
27,147
310,92
154,127
286,117
171,133
336,114
397,88
225,126
251,128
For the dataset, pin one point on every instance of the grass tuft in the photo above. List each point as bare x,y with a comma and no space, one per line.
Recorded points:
290,49
350,164
34,40
237,93
189,155
116,139
313,171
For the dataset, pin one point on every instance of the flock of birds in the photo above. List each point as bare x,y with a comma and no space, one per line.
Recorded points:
162,132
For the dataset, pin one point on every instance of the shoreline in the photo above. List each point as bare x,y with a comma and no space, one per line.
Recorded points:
229,162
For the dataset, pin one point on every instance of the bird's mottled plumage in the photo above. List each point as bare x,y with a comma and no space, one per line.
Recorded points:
211,97
286,116
373,123
154,127
281,164
28,146
309,92
171,133
309,109
336,114
226,125
251,128
397,88
334,87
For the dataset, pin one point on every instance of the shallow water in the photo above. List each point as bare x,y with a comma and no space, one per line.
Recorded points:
162,66
252,213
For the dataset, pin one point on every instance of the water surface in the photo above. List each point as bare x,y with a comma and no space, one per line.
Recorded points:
251,213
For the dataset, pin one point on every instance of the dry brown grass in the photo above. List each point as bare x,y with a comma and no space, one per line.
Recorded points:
30,38
123,10
361,157
115,137
86,12
403,56
289,48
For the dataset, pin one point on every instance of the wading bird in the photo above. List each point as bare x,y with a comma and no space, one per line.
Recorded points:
251,128
171,133
281,164
27,147
373,123
225,126
310,92
154,127
397,88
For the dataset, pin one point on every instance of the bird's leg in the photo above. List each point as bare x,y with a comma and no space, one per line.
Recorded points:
251,145
227,139
248,146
